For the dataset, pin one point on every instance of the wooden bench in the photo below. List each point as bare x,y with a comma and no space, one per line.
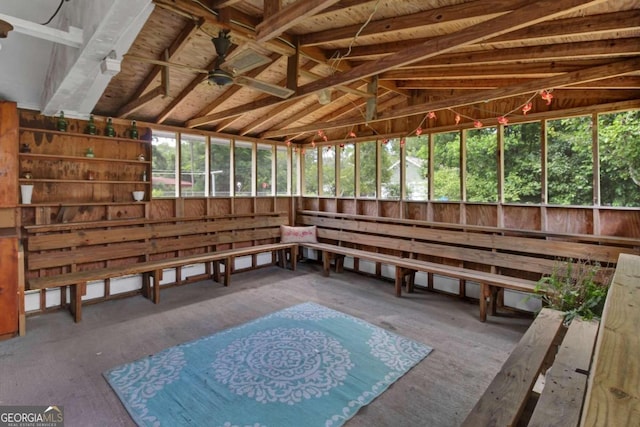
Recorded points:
75,254
495,258
560,403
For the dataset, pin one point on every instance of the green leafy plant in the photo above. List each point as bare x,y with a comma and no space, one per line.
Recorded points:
576,288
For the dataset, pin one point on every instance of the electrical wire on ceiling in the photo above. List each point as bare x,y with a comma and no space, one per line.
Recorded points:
54,13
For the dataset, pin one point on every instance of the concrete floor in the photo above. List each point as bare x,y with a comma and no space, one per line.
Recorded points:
60,363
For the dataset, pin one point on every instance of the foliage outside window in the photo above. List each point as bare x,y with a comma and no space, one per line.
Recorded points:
264,180
347,171
570,161
367,168
192,165
522,163
282,170
390,169
311,172
482,165
163,164
328,171
220,165
446,174
619,139
243,168
416,165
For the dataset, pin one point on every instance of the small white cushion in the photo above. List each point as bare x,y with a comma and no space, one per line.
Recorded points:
290,234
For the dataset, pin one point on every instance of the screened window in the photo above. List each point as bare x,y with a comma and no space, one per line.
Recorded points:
311,172
243,168
328,171
192,165
619,139
264,183
390,169
482,165
163,164
416,165
282,170
220,164
570,161
367,168
347,171
446,164
522,163
295,172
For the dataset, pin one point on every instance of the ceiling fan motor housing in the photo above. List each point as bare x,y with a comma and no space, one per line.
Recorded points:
220,77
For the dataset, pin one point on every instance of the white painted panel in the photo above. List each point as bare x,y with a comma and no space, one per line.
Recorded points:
94,290
348,262
52,297
367,266
522,301
119,285
168,276
31,301
388,271
421,279
264,258
242,262
190,270
473,289
446,284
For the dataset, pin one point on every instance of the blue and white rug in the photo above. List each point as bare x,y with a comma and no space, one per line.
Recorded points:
304,365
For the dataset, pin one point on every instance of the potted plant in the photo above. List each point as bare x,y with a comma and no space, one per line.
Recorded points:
576,288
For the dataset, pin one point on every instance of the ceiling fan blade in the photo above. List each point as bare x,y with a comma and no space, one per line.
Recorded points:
270,88
246,60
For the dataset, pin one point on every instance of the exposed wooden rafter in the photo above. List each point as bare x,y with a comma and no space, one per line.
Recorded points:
274,25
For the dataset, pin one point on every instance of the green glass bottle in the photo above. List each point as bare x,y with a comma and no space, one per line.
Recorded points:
62,123
109,130
91,126
133,132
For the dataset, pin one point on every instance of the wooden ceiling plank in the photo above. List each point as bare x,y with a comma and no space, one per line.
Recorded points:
174,49
219,4
226,123
289,16
581,76
529,14
472,9
138,103
343,88
567,27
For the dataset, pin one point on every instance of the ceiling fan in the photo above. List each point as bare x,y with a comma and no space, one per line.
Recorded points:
228,72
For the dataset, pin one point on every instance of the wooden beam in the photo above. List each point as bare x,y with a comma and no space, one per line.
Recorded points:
175,103
629,82
576,77
530,14
567,28
467,10
292,68
285,18
343,88
136,104
219,4
177,45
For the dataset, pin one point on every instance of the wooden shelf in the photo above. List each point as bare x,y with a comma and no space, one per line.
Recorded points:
81,158
62,204
83,135
79,181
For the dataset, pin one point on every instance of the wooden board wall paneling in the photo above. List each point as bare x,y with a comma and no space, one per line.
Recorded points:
283,204
219,206
486,215
162,208
624,223
8,154
328,205
521,217
243,205
390,209
367,207
416,210
264,204
568,220
9,286
446,212
195,207
347,206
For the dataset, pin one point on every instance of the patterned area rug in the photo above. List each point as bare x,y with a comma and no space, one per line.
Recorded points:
304,365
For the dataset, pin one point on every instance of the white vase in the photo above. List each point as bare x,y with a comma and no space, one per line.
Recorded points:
26,191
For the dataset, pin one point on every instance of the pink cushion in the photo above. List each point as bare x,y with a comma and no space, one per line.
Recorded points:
290,234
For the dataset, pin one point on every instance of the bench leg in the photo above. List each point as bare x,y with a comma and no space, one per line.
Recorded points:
228,262
399,280
411,280
326,262
75,306
282,258
339,263
146,285
157,277
483,301
216,271
493,300
293,257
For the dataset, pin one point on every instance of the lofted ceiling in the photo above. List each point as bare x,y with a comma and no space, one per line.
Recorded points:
375,67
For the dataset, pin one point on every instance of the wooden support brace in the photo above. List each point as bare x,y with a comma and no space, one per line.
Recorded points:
157,277
216,271
339,263
326,262
293,257
399,280
77,291
146,285
484,290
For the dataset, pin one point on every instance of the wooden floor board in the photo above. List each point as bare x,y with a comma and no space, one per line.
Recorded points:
60,363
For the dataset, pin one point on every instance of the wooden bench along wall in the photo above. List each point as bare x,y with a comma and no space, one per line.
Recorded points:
594,379
495,258
75,254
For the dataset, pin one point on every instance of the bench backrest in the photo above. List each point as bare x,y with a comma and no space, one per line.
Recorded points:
482,248
86,247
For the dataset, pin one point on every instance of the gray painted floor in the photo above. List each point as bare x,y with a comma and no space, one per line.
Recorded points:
60,363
